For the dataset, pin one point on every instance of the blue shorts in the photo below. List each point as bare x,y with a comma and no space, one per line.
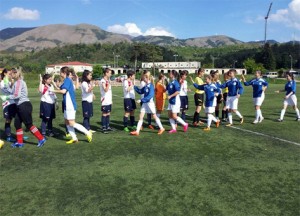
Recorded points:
129,104
184,102
87,109
106,109
47,110
9,112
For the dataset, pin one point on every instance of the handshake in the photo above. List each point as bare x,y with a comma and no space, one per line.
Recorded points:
4,97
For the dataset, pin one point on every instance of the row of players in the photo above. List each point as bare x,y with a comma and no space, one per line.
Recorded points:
16,103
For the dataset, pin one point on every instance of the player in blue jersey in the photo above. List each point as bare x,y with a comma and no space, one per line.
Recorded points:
259,86
211,94
290,98
70,106
235,89
173,90
148,105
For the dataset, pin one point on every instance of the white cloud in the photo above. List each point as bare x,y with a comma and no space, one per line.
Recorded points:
158,31
128,28
289,16
248,20
133,30
18,13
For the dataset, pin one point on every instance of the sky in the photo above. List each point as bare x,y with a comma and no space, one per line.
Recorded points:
241,19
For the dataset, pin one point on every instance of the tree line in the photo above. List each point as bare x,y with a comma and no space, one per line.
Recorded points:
271,57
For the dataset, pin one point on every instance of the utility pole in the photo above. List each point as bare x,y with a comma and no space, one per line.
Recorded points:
266,20
291,62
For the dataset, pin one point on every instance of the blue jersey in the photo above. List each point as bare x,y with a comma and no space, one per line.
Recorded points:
290,86
210,90
147,91
173,87
257,85
234,87
68,85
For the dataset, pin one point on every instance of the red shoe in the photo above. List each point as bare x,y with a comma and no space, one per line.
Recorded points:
151,127
161,131
172,131
134,133
217,123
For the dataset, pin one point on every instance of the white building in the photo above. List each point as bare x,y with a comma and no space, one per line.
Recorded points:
166,67
77,66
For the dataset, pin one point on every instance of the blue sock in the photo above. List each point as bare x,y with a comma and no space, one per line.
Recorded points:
149,118
125,121
107,121
132,120
103,120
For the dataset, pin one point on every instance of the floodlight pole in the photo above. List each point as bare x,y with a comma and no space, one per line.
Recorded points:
266,20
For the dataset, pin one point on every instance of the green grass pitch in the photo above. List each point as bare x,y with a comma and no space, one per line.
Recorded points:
221,172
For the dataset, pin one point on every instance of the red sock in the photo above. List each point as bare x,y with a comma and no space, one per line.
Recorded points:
36,132
20,135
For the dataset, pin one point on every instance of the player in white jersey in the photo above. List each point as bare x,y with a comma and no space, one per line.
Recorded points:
87,96
129,100
47,104
106,100
184,100
9,106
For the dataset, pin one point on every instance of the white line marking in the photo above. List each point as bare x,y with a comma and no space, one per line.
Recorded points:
265,135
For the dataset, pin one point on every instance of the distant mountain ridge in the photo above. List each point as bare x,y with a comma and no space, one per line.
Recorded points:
50,36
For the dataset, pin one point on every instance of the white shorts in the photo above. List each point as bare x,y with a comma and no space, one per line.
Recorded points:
148,108
210,109
291,101
259,100
70,114
176,107
232,102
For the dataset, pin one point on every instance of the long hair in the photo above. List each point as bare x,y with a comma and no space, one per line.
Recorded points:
175,74
65,70
4,72
19,74
290,75
84,76
200,70
45,77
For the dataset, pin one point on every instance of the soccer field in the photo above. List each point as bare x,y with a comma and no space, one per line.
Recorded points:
226,171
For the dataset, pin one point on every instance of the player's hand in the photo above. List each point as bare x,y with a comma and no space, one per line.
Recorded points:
41,78
238,95
191,79
4,97
277,91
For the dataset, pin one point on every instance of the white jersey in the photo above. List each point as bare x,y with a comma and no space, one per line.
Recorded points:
128,94
86,96
6,90
47,94
183,88
106,97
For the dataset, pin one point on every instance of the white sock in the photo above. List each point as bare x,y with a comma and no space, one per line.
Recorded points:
213,118
257,115
72,132
230,117
172,122
238,114
158,122
260,114
139,125
297,112
282,113
209,118
179,119
81,128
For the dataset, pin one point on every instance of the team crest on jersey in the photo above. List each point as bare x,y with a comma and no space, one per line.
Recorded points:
211,89
147,90
260,83
234,83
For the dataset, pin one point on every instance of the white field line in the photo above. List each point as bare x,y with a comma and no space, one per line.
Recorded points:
265,135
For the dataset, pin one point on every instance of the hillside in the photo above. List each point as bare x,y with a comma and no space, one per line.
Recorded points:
12,32
59,35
